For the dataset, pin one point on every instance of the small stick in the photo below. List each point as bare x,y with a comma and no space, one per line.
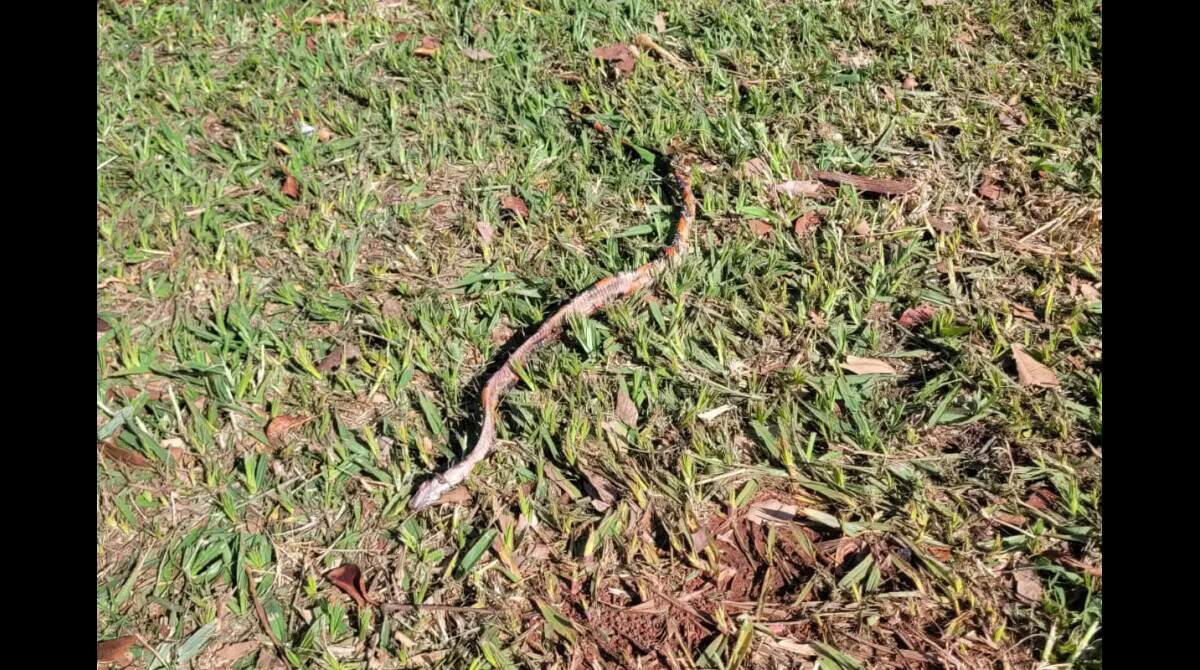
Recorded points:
646,42
407,607
868,184
262,617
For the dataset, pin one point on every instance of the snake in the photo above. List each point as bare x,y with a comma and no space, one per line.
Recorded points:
597,297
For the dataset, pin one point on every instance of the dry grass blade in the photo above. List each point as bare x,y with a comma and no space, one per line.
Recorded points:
868,184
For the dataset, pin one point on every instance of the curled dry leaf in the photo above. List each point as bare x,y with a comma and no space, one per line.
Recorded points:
868,366
341,354
514,204
760,228
477,54
806,223
122,455
798,188
114,650
282,425
915,316
627,412
291,188
1030,372
429,46
619,55
772,511
349,578
601,491
1029,587
326,19
102,326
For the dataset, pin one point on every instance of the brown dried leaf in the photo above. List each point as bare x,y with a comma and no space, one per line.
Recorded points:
514,204
1029,587
349,579
291,188
122,455
868,366
915,316
868,184
990,190
102,326
326,19
310,43
855,61
756,168
1089,292
455,496
846,546
1021,311
601,490
428,47
324,134
114,650
910,82
401,37
627,412
477,54
231,652
1030,372
485,230
796,188
338,356
281,425
772,511
806,223
1041,498
619,55
760,228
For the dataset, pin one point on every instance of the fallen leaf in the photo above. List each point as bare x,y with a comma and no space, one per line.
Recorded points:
619,55
281,425
401,37
943,225
485,231
231,652
1010,519
122,455
326,19
310,43
846,546
601,491
114,650
1041,498
1023,312
868,184
990,190
1030,372
660,22
711,414
477,54
868,366
938,552
349,579
1089,292
392,308
626,411
756,168
856,61
760,228
862,229
324,134
291,188
910,82
915,316
455,496
798,188
806,223
1029,587
1012,121
428,47
514,204
102,326
772,511
339,355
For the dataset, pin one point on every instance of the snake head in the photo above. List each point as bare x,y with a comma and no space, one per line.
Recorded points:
429,492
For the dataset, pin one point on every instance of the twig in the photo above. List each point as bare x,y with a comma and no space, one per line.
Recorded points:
646,42
409,607
262,617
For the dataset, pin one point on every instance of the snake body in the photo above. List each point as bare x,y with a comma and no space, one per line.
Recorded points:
597,297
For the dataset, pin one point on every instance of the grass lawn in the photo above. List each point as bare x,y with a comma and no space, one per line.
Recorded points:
849,430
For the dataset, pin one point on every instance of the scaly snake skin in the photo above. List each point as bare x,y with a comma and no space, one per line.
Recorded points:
599,296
